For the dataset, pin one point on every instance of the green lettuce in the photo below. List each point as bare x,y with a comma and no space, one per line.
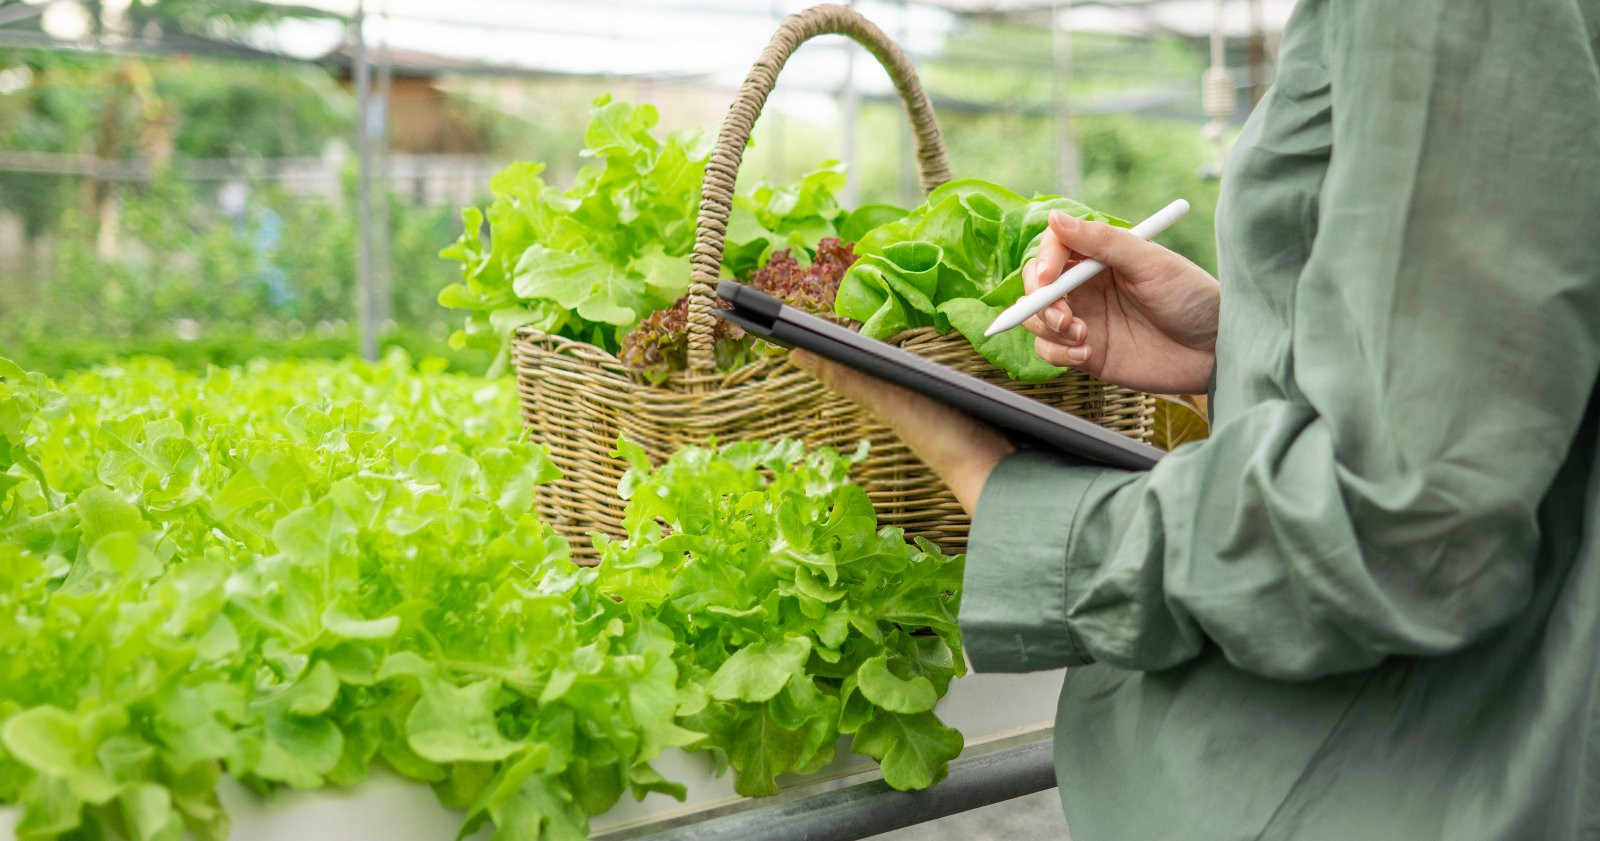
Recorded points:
592,259
589,262
291,572
795,614
954,263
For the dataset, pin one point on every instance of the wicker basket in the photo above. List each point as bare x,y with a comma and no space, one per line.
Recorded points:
577,398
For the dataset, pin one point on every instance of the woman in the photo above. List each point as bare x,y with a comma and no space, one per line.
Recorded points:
1368,606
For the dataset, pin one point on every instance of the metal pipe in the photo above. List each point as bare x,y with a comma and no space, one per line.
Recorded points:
1067,164
383,258
869,808
1258,53
1217,92
364,295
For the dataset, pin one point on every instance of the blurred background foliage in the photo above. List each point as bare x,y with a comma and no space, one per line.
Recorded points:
132,236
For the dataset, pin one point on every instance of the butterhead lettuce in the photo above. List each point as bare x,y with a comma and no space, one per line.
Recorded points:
954,263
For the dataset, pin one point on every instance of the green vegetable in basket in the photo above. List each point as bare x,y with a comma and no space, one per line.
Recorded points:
954,263
589,262
659,344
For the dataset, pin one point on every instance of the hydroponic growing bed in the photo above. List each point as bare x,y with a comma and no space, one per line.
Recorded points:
206,592
987,709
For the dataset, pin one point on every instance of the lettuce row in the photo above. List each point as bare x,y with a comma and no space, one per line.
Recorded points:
954,263
292,572
797,619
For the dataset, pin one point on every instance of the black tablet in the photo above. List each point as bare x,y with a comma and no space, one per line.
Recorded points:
771,319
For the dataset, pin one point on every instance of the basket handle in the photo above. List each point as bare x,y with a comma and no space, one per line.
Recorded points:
716,192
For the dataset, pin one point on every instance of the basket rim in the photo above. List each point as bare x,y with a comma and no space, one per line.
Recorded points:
682,381
593,353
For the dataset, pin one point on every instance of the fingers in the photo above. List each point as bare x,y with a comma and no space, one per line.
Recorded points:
1055,322
1060,337
962,451
1050,263
1111,245
1061,354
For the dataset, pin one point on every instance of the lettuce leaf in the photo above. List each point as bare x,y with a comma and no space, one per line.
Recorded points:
590,261
954,263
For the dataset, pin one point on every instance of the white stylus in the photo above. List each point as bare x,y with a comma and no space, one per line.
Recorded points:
1071,279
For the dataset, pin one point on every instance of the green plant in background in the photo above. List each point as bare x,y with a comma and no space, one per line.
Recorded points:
277,281
226,347
1138,165
1095,66
126,110
266,111
265,281
294,571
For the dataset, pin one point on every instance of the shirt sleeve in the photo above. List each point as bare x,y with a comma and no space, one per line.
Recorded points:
1443,352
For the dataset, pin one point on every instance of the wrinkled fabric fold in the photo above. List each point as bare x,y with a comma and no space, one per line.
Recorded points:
1008,603
1366,606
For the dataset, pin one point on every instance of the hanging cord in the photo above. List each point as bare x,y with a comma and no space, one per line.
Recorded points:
1216,93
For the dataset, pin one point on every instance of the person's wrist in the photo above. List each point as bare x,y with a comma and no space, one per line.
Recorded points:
1205,307
960,450
1199,378
972,471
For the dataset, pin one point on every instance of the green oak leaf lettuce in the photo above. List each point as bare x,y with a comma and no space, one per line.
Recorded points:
590,261
307,569
292,572
787,600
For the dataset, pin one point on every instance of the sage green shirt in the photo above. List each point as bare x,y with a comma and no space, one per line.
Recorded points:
1368,607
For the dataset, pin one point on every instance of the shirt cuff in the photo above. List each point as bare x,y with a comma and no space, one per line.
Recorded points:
1014,590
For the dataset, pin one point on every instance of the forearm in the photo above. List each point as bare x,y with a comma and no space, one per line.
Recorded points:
963,460
960,450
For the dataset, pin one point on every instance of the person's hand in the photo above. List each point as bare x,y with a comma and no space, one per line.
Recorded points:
962,451
1148,322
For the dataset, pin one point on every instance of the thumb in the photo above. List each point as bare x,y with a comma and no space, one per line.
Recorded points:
1098,241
